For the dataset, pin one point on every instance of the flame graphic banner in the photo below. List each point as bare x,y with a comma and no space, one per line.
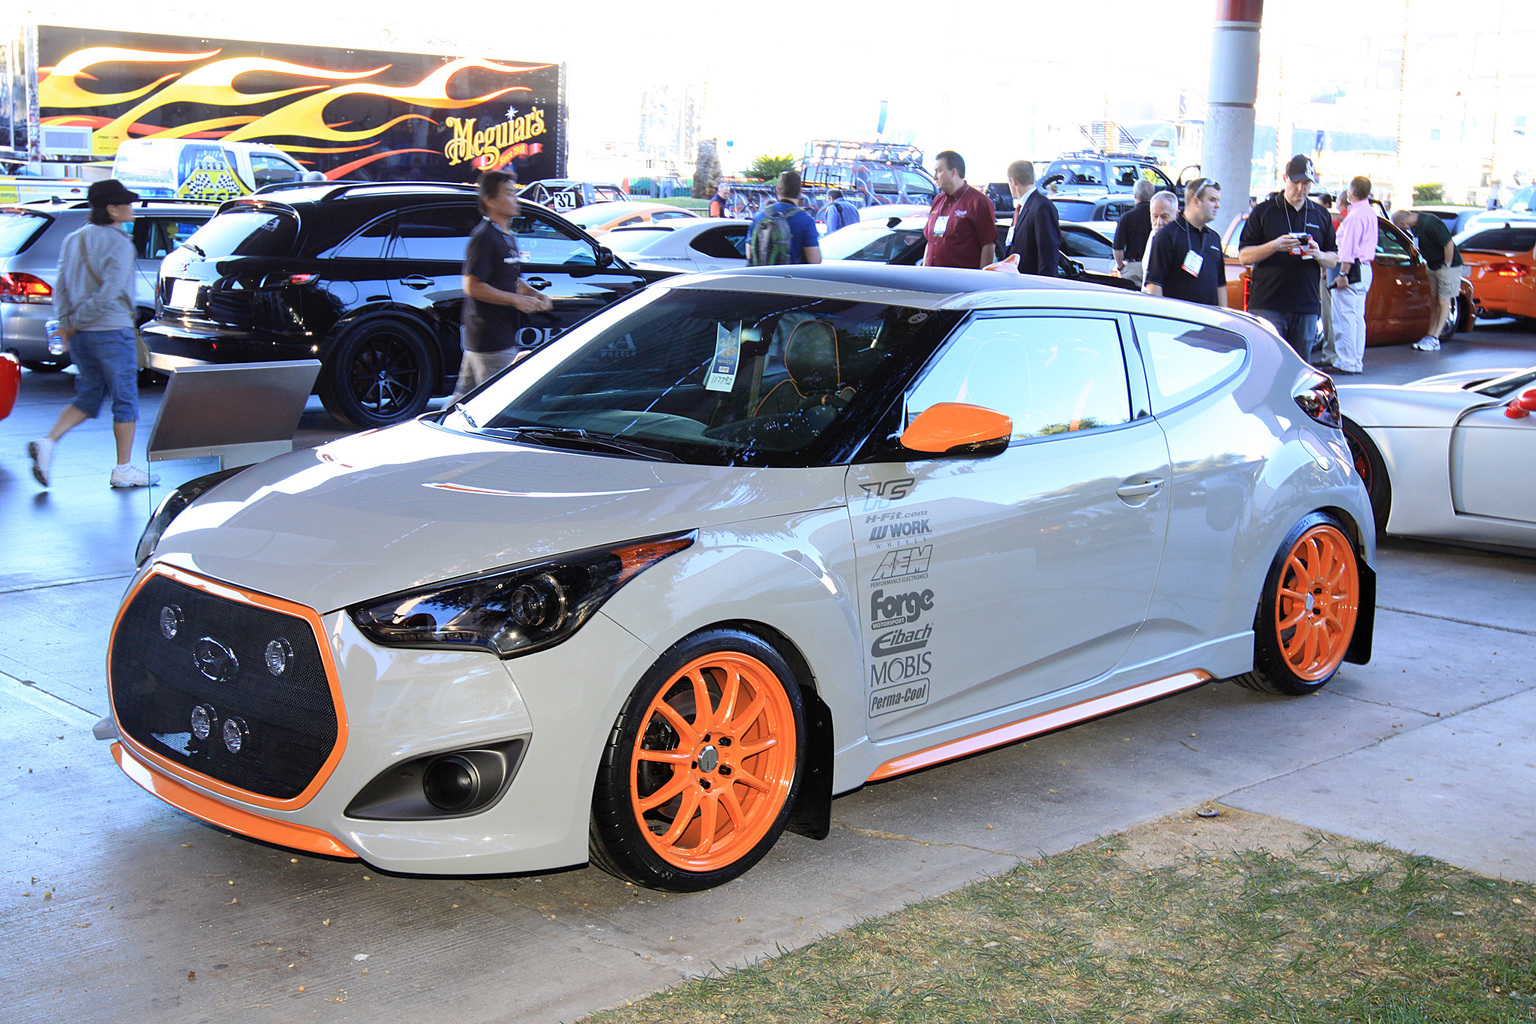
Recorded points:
354,113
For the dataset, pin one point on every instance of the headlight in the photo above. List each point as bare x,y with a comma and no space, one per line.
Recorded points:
513,611
172,507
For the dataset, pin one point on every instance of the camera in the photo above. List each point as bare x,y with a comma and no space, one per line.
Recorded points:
1302,239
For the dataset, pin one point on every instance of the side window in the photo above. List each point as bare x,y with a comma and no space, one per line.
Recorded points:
1391,247
671,215
550,243
724,243
435,233
1084,245
1501,240
1126,174
1186,360
269,169
166,235
367,244
1050,374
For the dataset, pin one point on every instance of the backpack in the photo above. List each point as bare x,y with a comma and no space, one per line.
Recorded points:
771,241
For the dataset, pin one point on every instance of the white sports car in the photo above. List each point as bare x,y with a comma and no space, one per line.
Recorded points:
695,244
1448,457
729,548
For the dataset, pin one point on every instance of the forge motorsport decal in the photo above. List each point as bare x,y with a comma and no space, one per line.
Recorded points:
349,113
899,606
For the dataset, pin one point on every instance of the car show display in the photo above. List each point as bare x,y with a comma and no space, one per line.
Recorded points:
728,548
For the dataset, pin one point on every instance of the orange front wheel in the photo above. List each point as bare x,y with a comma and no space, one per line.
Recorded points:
702,766
1309,609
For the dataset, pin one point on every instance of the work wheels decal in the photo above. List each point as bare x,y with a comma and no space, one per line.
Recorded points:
713,761
1317,602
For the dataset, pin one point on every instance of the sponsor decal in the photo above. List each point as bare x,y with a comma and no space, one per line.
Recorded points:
900,530
881,493
896,609
495,146
900,669
898,640
900,563
909,695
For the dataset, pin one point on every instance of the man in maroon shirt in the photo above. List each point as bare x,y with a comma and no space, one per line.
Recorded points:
962,226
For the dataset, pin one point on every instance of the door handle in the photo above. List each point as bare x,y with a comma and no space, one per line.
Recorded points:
1143,490
537,282
416,281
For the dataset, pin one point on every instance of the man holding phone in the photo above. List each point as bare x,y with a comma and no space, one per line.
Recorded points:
1288,242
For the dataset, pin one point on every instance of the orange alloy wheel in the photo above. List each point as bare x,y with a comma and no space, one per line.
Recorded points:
714,761
1317,602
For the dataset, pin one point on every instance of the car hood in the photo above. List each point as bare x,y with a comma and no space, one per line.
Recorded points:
394,509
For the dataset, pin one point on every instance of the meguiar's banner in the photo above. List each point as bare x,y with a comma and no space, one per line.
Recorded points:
348,113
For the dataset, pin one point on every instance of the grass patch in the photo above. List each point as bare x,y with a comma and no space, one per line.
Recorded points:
1182,920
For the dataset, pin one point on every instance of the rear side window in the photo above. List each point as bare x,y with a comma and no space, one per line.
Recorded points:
246,233
1084,245
435,233
270,170
166,235
19,230
1502,240
728,243
1185,360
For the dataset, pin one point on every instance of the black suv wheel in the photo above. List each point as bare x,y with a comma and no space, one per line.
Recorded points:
381,371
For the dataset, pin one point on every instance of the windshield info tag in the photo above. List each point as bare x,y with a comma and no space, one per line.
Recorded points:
722,368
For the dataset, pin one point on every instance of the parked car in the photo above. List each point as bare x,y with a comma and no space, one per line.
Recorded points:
900,242
203,169
1501,268
564,194
31,236
1098,173
1455,217
10,383
732,547
598,218
1091,244
367,278
1090,208
1399,307
1447,457
695,244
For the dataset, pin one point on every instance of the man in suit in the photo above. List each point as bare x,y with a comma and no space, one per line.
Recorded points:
1036,233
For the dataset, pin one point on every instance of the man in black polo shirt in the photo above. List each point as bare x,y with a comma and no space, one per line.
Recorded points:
1132,232
1443,260
1184,260
1286,240
496,298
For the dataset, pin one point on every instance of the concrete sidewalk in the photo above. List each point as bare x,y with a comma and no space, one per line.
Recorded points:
125,907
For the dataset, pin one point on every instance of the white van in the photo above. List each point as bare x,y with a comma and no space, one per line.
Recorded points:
203,168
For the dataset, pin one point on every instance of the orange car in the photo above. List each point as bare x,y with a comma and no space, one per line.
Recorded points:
1501,267
1401,301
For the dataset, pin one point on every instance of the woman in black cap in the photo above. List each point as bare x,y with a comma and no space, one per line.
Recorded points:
93,302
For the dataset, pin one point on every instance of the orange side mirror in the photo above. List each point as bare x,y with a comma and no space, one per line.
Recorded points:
957,428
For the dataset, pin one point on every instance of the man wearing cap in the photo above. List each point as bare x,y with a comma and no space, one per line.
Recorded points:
93,302
1286,240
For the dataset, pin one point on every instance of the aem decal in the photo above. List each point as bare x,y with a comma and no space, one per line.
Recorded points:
907,695
899,563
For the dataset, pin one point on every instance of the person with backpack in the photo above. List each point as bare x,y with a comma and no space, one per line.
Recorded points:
840,212
93,300
783,233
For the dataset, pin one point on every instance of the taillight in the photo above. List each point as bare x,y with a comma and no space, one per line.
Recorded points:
24,288
1247,281
1320,400
1507,269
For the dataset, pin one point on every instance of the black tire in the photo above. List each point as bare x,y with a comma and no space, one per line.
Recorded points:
46,365
1314,583
1373,473
732,783
380,372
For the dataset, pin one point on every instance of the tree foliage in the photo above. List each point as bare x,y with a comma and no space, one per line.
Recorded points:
1432,193
769,166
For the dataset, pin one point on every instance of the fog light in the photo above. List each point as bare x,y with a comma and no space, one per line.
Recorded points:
170,621
451,783
235,735
279,651
203,718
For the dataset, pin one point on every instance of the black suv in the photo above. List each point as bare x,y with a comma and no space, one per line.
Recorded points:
365,277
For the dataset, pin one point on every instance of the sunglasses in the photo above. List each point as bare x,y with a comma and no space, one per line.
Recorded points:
1201,184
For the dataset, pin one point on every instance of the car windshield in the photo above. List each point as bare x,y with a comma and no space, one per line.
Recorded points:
1505,386
245,233
17,230
869,241
713,377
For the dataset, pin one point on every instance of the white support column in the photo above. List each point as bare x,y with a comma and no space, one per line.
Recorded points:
1227,153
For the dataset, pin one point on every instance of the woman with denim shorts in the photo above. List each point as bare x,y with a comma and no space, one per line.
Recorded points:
93,301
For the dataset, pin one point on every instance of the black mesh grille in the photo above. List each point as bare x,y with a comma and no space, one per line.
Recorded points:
156,683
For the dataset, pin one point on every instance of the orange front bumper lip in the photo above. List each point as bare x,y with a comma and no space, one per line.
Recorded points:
184,798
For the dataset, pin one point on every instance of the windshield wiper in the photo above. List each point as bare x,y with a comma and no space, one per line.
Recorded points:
585,440
195,248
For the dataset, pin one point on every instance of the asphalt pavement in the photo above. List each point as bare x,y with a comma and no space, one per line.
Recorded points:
115,906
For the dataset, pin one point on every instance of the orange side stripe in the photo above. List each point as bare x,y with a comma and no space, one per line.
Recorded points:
294,837
1037,724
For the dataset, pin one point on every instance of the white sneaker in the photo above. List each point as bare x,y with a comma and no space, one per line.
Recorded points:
1427,344
41,452
133,476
